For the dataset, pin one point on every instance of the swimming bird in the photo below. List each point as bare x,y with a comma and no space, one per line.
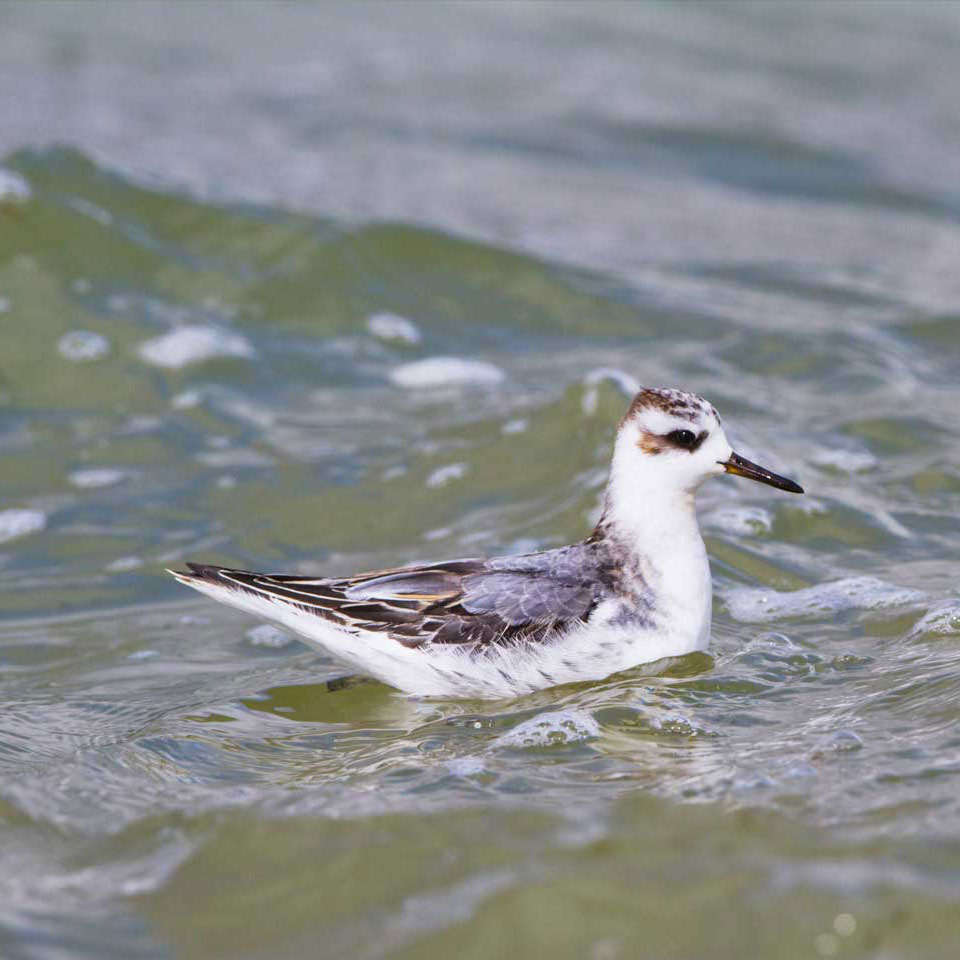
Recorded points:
636,590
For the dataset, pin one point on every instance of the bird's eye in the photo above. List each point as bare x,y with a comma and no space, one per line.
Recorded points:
683,438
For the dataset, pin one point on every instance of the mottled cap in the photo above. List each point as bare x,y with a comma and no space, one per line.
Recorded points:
676,403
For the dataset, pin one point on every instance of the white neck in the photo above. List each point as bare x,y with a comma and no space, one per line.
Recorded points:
659,526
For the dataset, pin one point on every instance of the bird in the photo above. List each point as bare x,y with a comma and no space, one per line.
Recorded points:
636,590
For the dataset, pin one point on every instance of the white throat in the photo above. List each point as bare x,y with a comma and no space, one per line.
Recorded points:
658,524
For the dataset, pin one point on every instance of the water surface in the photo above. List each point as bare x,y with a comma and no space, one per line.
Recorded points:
232,250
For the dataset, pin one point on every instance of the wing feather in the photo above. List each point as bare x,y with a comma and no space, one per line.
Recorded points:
467,601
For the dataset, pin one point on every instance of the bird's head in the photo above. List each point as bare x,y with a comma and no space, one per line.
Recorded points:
674,440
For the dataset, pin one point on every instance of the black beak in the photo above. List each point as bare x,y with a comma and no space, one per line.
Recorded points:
744,468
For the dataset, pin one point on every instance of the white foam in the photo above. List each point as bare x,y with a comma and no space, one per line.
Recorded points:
20,523
465,766
192,343
83,345
741,521
750,605
447,474
96,477
514,426
13,187
445,372
942,620
551,729
186,400
391,326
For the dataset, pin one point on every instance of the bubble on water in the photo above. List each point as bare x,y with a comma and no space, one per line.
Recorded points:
751,605
391,326
826,944
4,304
446,372
267,635
842,741
186,400
740,521
447,474
83,345
20,523
514,426
96,477
191,344
943,620
677,726
847,461
14,188
845,924
556,728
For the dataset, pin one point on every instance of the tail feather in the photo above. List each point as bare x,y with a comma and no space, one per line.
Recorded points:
208,572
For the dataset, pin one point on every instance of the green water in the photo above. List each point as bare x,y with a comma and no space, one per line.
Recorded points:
226,234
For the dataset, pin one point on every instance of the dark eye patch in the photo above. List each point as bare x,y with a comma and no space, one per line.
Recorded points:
686,439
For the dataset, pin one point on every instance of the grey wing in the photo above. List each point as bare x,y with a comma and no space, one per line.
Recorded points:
474,602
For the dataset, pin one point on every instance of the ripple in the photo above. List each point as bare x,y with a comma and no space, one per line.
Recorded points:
742,521
751,605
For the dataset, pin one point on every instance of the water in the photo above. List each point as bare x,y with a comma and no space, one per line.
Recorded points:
322,288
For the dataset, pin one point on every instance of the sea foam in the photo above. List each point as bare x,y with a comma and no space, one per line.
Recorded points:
192,343
19,523
445,372
555,728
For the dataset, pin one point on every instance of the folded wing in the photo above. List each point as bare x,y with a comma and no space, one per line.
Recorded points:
469,601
